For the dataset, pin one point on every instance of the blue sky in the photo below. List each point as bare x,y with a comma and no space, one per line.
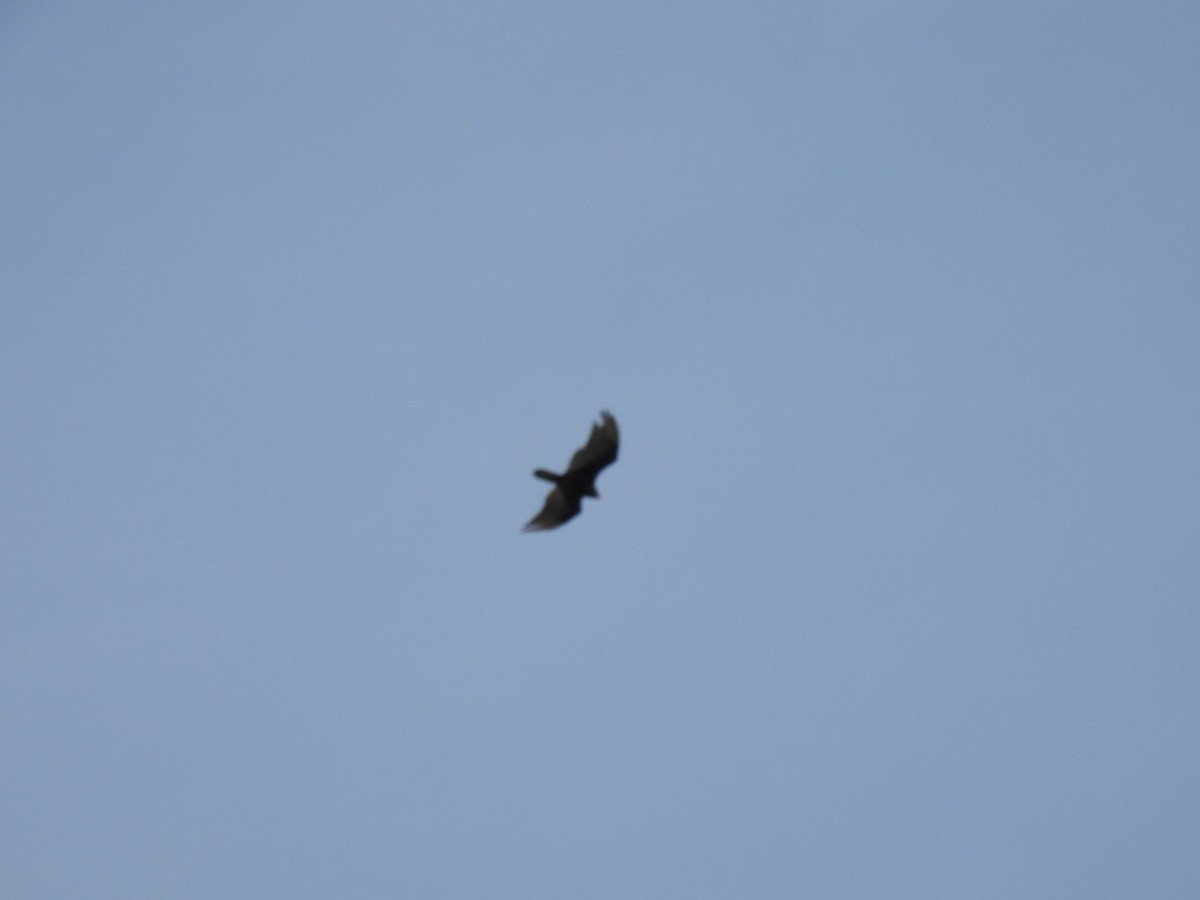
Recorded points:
892,593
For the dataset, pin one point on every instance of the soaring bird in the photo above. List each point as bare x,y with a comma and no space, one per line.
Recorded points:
579,481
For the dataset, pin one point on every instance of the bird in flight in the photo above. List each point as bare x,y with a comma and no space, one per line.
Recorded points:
579,481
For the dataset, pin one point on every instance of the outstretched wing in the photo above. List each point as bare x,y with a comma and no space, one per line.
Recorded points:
558,508
598,452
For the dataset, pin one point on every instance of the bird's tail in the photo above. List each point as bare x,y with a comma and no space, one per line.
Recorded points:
546,476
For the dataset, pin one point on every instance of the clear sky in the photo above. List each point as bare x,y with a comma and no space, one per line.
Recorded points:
893,592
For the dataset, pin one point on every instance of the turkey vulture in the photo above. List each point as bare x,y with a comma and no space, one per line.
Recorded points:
579,481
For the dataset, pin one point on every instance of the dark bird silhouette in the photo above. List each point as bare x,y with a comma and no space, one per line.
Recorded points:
579,481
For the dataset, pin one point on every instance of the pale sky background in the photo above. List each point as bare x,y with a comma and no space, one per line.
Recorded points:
893,593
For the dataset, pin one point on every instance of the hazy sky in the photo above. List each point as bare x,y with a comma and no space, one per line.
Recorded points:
894,591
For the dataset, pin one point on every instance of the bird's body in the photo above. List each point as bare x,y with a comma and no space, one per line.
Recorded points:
565,500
